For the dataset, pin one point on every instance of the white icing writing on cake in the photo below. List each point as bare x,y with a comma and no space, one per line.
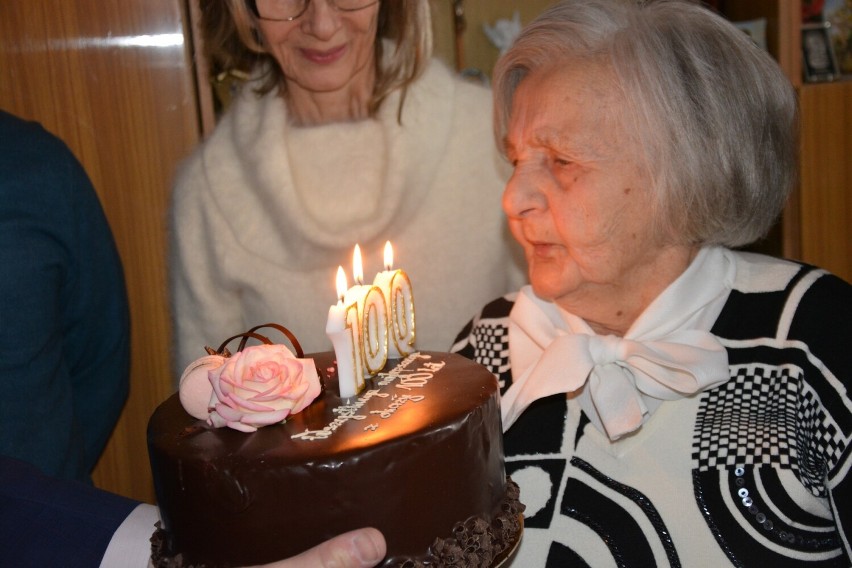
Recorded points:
345,413
400,377
394,406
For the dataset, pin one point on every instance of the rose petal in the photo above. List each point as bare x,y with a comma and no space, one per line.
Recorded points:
228,412
266,418
248,405
215,420
242,427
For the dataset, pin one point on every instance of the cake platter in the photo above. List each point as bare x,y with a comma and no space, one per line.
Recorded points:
504,559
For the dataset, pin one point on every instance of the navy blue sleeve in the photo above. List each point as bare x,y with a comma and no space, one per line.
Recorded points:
46,521
64,323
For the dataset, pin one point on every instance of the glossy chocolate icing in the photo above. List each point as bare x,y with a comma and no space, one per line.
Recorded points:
420,456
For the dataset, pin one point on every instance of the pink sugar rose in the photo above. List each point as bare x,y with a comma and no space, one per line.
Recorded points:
261,385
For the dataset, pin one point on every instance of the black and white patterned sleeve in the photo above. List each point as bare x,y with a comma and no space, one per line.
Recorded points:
485,339
823,322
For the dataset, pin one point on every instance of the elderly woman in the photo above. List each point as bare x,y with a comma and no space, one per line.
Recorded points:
346,133
667,400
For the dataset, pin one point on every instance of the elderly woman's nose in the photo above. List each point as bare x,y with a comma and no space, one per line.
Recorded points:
523,195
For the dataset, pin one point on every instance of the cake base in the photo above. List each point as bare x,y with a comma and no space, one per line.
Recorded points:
474,544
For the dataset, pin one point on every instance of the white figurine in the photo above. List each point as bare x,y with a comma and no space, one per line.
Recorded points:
503,32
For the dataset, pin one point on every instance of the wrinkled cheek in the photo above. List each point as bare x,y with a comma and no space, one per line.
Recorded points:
287,59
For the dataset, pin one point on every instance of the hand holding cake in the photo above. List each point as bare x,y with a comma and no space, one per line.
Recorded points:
361,548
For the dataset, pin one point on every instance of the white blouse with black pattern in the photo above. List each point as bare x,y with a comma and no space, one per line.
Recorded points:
754,472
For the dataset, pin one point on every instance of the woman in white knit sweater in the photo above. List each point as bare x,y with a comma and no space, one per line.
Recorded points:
347,132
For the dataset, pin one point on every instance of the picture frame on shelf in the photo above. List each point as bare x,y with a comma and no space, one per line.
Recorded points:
839,14
818,60
755,29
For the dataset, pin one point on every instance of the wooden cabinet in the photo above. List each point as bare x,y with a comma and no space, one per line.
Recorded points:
825,194
817,224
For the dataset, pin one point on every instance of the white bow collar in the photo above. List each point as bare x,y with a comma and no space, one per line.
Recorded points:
668,353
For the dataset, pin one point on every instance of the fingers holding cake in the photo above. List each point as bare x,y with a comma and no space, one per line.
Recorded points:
361,548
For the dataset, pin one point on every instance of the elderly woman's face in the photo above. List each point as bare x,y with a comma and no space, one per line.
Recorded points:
578,201
325,49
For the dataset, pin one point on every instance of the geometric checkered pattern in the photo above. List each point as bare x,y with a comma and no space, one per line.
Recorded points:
749,420
491,347
821,443
767,415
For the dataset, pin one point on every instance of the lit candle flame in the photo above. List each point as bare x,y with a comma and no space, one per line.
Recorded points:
357,269
342,286
388,256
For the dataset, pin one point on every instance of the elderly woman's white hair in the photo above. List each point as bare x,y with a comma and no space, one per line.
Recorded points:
715,115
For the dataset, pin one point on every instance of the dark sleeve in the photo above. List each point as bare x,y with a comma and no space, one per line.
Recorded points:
97,322
823,323
64,350
45,521
841,498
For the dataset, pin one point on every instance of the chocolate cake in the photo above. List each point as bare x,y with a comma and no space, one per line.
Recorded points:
418,454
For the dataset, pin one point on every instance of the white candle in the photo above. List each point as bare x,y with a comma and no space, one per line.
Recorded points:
343,327
399,297
372,313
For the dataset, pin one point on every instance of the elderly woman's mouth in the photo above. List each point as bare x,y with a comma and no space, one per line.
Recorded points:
543,248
